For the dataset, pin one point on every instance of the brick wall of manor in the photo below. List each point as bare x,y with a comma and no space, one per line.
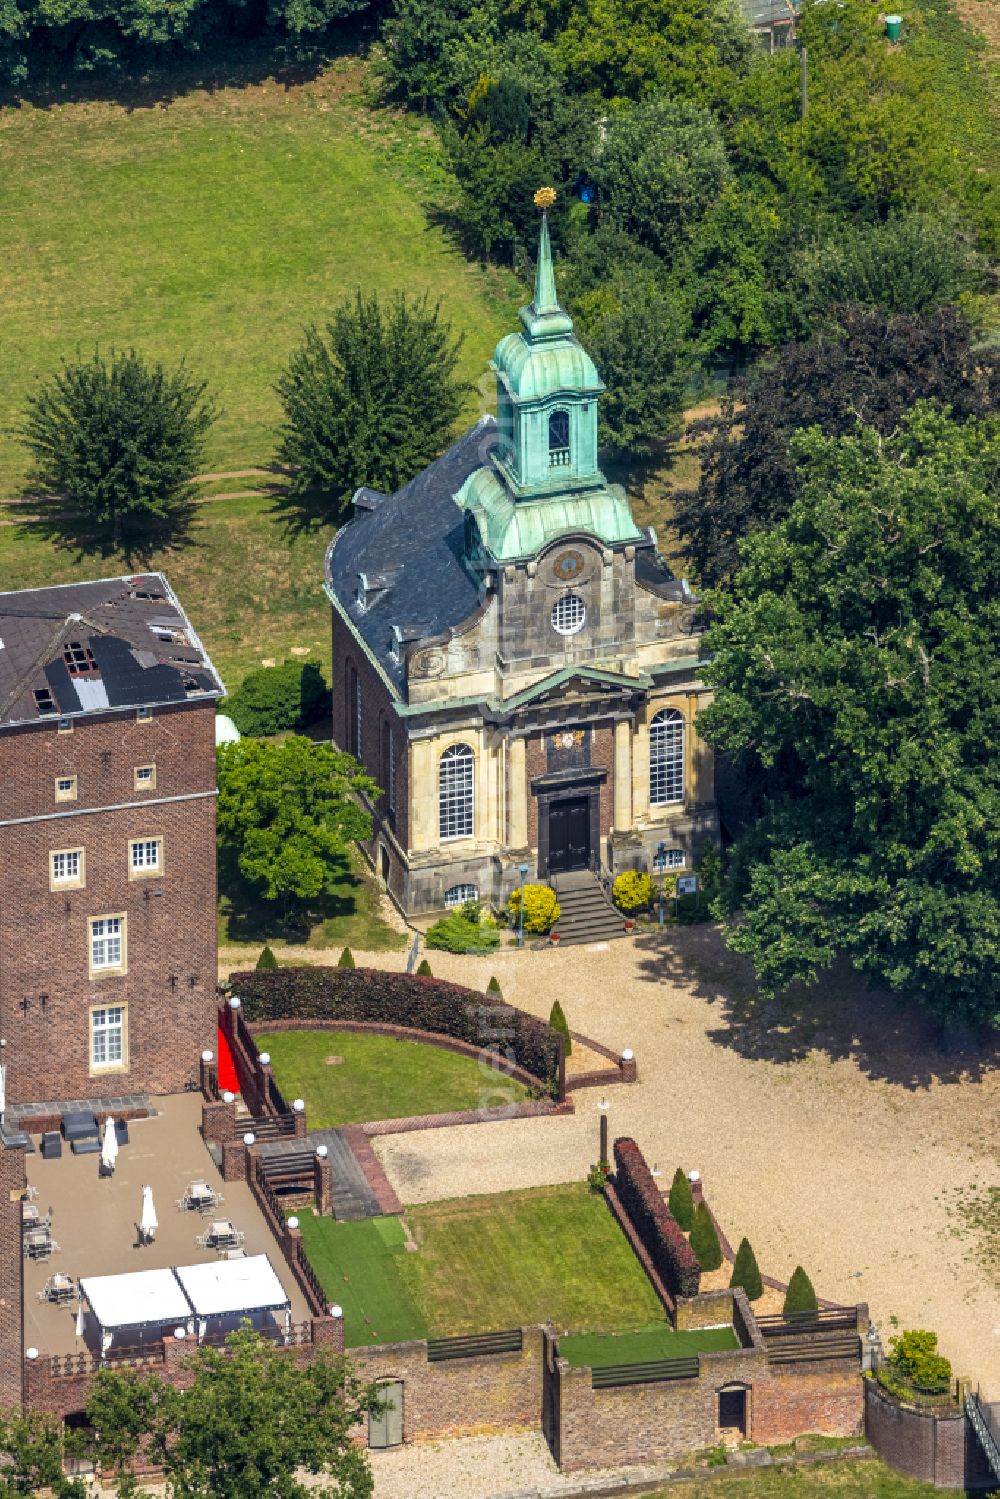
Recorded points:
47,993
937,1448
602,757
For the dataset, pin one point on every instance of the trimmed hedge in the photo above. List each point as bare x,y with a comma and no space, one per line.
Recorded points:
653,1221
425,1004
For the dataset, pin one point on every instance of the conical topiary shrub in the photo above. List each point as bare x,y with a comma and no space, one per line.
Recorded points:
267,958
493,987
746,1272
558,1022
681,1201
346,959
800,1298
704,1240
424,969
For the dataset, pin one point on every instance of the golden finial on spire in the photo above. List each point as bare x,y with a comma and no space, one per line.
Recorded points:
545,197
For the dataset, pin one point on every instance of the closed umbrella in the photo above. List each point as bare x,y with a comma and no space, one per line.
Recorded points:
147,1217
3,1088
109,1146
79,1320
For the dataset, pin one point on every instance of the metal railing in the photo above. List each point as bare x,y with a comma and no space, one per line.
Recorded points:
510,1341
654,1371
985,1422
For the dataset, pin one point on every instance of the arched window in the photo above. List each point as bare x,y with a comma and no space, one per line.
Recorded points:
455,799
558,439
457,895
666,758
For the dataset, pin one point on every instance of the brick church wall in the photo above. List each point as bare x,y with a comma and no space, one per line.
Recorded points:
602,757
169,986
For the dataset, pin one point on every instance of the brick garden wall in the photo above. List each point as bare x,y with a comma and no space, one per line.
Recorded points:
826,1399
12,1184
941,1449
458,1397
169,987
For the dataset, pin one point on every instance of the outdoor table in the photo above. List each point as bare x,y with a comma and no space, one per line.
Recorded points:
29,1216
38,1244
200,1197
58,1289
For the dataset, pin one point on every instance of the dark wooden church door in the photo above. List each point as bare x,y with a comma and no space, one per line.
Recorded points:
569,835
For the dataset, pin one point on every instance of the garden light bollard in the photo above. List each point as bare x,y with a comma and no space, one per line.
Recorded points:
604,1106
522,870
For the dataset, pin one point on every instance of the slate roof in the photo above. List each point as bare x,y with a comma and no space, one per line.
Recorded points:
411,548
92,647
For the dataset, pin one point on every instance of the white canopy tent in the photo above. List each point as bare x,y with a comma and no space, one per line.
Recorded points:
233,1288
138,1299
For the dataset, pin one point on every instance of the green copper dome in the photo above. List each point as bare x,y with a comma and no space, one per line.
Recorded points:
514,529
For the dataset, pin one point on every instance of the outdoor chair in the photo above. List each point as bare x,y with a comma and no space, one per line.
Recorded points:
59,1289
51,1145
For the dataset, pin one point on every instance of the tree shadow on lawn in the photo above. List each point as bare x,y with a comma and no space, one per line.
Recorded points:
149,80
70,531
840,1016
251,919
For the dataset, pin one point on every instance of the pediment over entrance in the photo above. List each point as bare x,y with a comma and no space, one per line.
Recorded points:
582,687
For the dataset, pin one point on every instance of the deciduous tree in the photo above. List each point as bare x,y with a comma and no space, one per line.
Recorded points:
116,443
857,663
288,812
249,1424
370,399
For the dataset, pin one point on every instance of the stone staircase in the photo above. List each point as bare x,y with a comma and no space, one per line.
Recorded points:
585,913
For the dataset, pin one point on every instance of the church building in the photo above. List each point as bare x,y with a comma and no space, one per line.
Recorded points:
513,660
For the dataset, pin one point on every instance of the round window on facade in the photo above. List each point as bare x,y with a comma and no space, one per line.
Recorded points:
569,614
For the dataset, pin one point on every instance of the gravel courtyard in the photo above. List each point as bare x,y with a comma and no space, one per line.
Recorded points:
831,1130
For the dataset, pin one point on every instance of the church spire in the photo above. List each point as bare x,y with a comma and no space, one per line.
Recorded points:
544,317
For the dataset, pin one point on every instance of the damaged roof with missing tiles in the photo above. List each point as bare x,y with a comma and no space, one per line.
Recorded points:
94,647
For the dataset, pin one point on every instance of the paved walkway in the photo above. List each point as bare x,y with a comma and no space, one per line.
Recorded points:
834,1134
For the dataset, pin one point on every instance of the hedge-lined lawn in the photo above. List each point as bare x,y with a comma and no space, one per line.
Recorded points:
359,1267
213,227
550,1254
379,1077
598,1350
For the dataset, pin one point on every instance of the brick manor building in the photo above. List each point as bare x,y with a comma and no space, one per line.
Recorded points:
107,841
513,660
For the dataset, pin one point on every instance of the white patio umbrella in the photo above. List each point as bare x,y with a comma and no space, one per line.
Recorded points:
80,1320
109,1146
3,1088
147,1217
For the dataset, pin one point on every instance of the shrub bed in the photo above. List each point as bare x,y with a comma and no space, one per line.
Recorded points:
425,1004
653,1221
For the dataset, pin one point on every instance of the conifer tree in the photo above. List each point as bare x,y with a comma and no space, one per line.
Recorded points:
681,1200
704,1239
746,1273
346,959
267,958
424,969
800,1298
558,1022
493,987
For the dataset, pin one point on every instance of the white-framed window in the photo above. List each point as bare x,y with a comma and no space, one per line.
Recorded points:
455,791
66,867
666,758
107,944
569,614
65,726
143,715
559,454
459,894
107,1037
145,856
66,788
669,858
145,777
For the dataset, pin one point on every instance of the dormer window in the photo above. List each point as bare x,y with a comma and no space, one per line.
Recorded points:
559,439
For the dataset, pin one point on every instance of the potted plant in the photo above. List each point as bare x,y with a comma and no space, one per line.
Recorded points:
555,937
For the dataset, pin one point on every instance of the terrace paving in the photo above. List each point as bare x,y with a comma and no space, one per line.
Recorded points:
94,1219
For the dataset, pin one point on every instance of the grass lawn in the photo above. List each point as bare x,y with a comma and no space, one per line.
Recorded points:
379,1077
555,1253
214,226
598,1350
867,1480
350,914
359,1267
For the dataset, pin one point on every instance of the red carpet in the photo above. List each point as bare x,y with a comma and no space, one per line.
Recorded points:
227,1072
